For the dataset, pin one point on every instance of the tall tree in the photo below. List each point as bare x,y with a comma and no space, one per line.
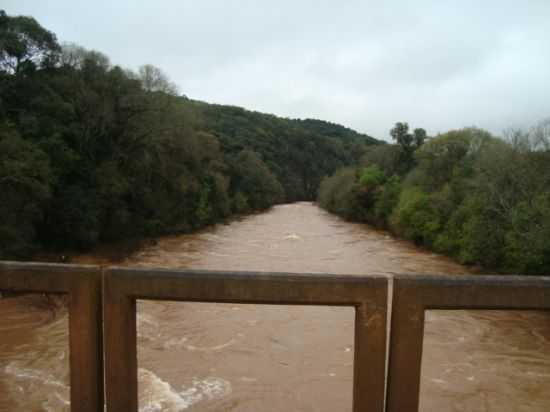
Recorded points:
154,79
408,143
25,45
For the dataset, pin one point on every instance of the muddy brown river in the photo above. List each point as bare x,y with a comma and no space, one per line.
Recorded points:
248,358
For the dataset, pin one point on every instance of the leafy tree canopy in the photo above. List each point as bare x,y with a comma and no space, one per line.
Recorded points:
25,45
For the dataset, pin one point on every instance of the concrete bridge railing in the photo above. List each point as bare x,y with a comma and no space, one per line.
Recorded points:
102,319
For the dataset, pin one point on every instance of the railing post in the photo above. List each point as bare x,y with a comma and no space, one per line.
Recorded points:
120,348
370,355
406,340
86,345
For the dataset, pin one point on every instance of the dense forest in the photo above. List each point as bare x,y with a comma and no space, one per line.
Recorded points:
91,152
465,193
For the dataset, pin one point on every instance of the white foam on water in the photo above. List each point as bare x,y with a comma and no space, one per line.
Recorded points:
159,395
33,374
56,403
147,327
211,348
57,400
247,379
174,343
292,236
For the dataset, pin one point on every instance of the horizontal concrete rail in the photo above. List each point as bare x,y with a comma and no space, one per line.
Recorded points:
413,295
83,286
368,294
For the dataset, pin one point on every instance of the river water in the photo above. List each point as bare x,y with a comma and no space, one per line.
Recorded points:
226,357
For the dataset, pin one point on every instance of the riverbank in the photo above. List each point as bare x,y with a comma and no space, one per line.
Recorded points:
244,358
109,253
465,194
472,268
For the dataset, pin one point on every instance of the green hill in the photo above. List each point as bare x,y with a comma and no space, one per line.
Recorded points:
299,152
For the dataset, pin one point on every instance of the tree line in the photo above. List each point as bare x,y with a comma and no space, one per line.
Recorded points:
91,152
465,193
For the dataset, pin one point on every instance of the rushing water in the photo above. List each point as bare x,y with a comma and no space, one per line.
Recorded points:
225,357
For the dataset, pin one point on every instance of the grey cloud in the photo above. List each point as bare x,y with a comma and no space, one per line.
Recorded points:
367,64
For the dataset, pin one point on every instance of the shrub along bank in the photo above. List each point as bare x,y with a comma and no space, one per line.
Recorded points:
465,193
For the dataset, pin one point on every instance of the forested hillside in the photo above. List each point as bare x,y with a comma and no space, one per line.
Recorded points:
299,152
91,152
465,193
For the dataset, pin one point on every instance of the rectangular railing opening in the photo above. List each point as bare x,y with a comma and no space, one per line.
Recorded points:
366,296
485,360
34,352
80,386
227,356
452,310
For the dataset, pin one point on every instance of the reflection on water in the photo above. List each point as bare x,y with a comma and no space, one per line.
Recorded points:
211,357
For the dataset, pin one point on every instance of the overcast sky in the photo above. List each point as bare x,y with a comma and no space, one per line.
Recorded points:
366,64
